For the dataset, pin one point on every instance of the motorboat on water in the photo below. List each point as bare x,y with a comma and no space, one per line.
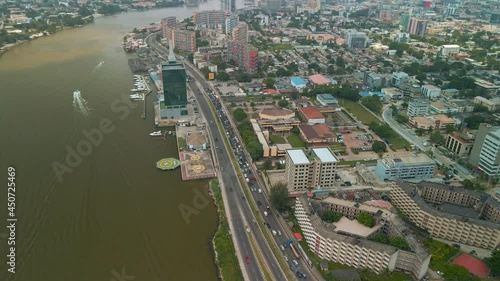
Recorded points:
135,96
155,134
137,90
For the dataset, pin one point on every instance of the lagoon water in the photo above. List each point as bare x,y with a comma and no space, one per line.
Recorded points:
111,215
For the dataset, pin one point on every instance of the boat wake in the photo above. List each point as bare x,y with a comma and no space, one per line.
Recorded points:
98,65
80,104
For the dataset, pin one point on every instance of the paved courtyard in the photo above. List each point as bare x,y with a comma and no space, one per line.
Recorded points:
196,165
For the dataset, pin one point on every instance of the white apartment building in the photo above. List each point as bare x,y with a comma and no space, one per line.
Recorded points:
230,23
418,107
431,91
489,156
450,213
412,166
356,252
310,169
449,49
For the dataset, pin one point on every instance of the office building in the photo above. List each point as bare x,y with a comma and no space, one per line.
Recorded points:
431,91
483,130
327,242
356,40
404,22
374,80
229,5
214,18
240,32
418,27
460,144
273,5
230,23
490,104
174,105
167,24
413,166
485,154
450,213
449,49
184,40
398,78
245,55
310,169
418,107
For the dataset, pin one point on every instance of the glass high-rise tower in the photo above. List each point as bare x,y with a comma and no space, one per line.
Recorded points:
174,87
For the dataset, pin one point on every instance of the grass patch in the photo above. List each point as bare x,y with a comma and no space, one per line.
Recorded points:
181,143
397,142
295,141
441,253
227,260
277,139
353,162
357,110
279,47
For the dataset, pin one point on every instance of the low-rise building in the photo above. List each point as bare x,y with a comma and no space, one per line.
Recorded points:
491,104
450,213
418,107
460,143
311,115
196,141
441,107
278,120
431,91
327,100
310,169
437,121
319,79
449,49
392,94
490,88
298,83
317,133
413,166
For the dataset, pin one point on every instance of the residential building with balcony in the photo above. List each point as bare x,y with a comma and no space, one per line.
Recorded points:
240,32
460,143
244,54
328,242
413,166
167,24
314,168
184,40
450,213
213,18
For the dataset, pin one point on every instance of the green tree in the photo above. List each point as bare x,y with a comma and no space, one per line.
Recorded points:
494,262
254,148
366,219
223,76
379,147
239,114
269,82
437,138
267,165
330,216
381,238
450,128
283,103
399,242
373,103
279,196
420,131
474,121
456,272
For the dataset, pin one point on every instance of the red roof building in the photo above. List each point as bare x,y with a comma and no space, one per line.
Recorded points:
317,133
298,236
473,265
312,115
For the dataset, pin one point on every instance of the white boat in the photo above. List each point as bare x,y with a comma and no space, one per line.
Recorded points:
135,96
154,134
136,90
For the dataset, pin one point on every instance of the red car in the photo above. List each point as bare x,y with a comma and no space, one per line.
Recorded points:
247,259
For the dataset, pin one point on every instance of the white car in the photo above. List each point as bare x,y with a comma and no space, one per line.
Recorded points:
282,248
279,233
260,190
274,232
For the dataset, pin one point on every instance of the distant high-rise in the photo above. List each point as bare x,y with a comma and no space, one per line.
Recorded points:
192,2
240,32
184,40
209,18
245,55
166,26
404,21
174,88
485,153
229,5
273,5
418,27
356,40
231,22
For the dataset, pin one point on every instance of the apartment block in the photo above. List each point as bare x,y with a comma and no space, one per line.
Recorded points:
310,169
231,22
412,166
460,144
212,18
450,213
418,27
431,91
184,40
356,40
245,55
489,159
240,32
398,78
449,49
418,107
325,242
167,24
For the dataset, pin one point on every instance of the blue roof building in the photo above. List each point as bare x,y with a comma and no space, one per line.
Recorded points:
298,83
